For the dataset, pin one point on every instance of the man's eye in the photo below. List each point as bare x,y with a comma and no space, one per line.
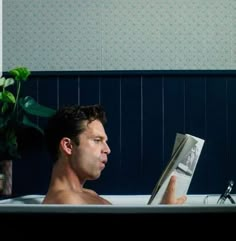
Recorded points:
97,140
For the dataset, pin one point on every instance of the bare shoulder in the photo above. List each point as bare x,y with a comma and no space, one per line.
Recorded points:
90,191
86,196
99,199
63,197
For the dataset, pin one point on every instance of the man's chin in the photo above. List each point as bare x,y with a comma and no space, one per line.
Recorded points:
95,177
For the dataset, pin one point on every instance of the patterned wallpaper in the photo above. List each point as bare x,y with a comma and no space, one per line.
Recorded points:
119,34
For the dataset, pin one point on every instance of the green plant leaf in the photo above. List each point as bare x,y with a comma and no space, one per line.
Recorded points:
7,96
6,82
5,107
30,106
15,113
20,73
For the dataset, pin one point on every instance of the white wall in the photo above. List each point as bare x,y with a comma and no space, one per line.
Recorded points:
119,34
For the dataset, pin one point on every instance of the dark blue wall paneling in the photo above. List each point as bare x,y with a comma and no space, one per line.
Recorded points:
144,112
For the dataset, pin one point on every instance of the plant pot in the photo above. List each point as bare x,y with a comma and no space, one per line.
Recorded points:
6,174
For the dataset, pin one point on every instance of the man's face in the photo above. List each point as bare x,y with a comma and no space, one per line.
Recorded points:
90,157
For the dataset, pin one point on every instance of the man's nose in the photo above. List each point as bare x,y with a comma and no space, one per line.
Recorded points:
107,149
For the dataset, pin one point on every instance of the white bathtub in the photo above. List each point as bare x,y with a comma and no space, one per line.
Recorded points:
121,200
200,199
128,214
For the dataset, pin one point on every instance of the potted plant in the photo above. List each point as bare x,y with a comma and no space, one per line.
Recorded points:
15,112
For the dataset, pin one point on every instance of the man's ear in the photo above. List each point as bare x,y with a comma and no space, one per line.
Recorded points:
66,145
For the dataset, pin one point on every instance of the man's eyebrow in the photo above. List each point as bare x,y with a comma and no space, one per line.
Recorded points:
101,137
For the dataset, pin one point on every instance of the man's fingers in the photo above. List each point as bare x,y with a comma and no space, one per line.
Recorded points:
181,200
169,196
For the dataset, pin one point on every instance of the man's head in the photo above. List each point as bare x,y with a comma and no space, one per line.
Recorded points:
70,121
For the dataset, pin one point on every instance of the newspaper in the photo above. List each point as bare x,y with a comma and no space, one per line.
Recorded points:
185,155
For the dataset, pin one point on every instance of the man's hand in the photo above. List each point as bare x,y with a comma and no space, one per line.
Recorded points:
169,196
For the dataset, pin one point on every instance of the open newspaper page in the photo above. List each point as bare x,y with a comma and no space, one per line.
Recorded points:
184,158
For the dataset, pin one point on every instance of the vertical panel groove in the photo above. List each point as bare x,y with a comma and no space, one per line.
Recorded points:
99,90
58,97
120,123
206,129
37,95
184,106
78,80
141,131
163,117
205,105
227,120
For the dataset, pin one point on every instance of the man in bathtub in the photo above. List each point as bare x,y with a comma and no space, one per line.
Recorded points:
77,143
